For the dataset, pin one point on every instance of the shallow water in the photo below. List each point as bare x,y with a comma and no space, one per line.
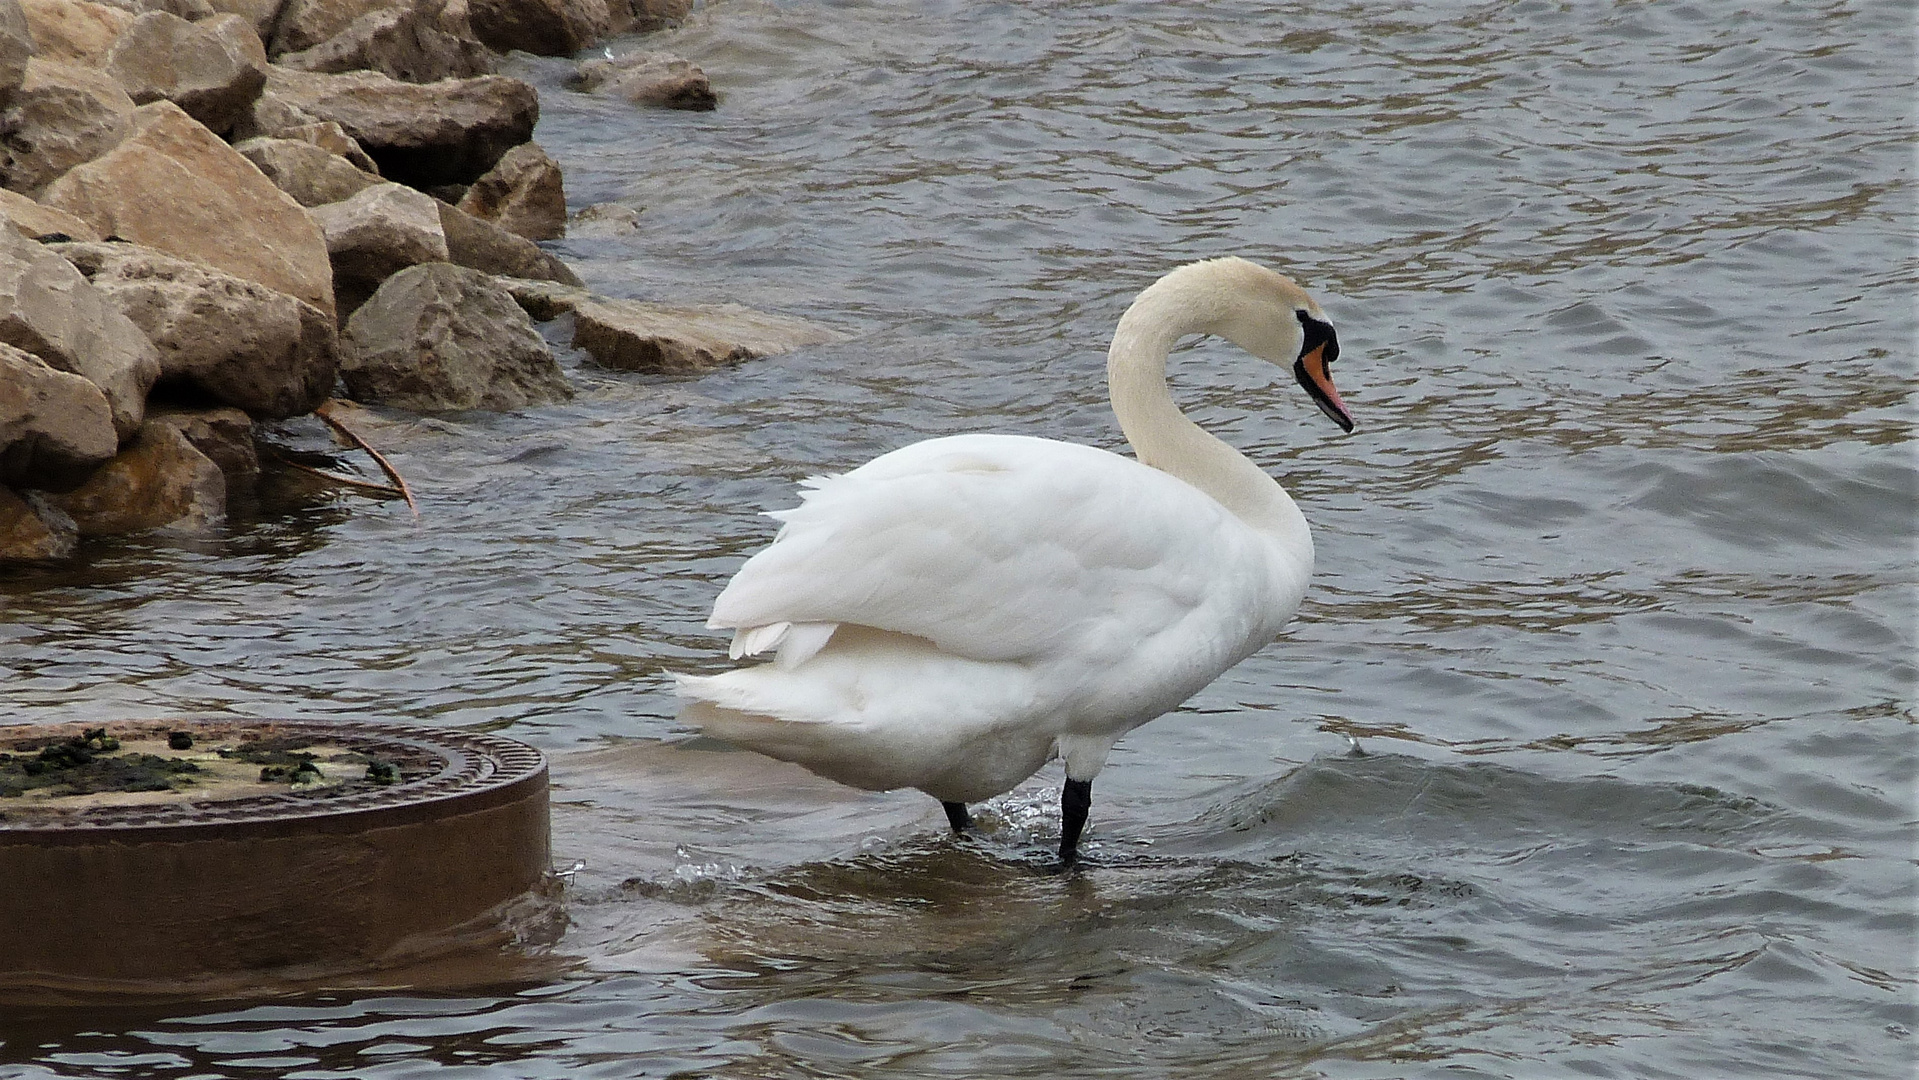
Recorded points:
1615,587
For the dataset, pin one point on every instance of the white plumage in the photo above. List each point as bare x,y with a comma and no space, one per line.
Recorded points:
955,613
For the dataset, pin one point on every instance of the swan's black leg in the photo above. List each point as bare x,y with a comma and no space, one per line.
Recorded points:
957,815
1075,799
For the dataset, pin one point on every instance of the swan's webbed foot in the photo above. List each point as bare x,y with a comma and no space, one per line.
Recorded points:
1075,799
957,816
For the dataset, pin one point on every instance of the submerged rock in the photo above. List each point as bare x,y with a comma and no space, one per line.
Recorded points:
439,336
159,481
679,339
648,78
33,530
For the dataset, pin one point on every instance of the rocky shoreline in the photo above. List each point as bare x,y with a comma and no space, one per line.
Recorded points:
231,211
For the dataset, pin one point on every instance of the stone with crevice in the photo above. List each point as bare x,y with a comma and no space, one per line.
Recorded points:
48,309
218,336
524,193
376,234
33,529
55,427
312,175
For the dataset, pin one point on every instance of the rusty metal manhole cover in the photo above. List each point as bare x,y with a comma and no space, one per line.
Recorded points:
177,850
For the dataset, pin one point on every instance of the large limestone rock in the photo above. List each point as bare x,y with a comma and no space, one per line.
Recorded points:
312,175
49,310
175,186
648,78
34,221
261,13
227,338
212,69
523,194
62,115
16,48
306,23
541,27
447,132
55,427
33,530
73,31
160,481
439,336
481,245
677,339
376,234
406,43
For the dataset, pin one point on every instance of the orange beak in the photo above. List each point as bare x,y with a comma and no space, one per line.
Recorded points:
1310,369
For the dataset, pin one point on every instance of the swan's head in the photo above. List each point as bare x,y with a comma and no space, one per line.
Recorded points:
1267,314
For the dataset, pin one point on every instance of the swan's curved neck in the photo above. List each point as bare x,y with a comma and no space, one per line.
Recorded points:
1162,436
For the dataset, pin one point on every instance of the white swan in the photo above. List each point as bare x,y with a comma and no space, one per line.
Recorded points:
954,614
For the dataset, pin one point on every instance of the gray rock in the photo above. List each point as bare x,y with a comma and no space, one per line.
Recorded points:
16,48
448,132
648,78
230,339
439,336
33,530
523,194
481,245
213,69
406,43
62,115
160,481
541,27
376,234
312,175
55,427
49,310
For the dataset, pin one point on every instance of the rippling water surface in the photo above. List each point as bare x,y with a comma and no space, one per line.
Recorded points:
1616,584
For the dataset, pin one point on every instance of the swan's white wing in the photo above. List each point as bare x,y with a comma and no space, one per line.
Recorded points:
998,547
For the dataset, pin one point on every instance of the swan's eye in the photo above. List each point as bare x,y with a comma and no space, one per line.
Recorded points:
1318,332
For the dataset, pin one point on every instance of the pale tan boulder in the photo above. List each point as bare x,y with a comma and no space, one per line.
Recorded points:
261,13
212,69
440,337
160,481
677,339
224,337
73,31
332,138
48,309
541,27
481,245
16,48
407,43
175,186
62,115
312,175
33,221
33,530
55,427
523,194
376,234
648,78
447,132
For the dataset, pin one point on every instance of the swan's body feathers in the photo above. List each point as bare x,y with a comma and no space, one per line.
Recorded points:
952,615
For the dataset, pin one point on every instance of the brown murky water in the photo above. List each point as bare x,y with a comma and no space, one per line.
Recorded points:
1616,584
